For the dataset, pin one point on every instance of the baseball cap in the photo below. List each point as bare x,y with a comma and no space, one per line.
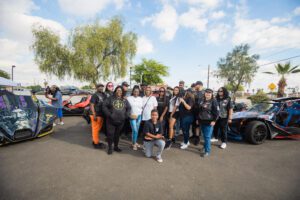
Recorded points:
208,90
199,83
125,84
99,85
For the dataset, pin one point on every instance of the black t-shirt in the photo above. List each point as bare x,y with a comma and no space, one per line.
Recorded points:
181,92
97,99
225,105
183,111
162,103
154,129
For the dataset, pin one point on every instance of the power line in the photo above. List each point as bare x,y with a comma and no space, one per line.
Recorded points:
279,60
273,54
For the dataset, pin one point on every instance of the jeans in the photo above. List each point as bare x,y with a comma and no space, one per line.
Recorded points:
186,122
177,127
149,147
135,125
222,126
207,130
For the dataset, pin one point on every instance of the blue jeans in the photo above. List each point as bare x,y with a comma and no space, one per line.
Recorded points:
186,122
207,130
135,125
149,148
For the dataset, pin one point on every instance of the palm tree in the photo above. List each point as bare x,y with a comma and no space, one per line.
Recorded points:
4,74
283,71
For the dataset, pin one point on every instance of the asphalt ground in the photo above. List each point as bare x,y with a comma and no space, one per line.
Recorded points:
64,165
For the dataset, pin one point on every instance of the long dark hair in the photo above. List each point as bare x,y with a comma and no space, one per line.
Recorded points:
225,93
189,94
136,87
119,86
165,94
178,91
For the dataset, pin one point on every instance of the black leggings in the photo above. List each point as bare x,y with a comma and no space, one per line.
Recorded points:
113,133
221,125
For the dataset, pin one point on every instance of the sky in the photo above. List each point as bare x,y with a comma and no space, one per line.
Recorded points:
185,35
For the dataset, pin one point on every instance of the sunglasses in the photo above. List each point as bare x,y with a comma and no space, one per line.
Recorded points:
110,85
162,91
220,91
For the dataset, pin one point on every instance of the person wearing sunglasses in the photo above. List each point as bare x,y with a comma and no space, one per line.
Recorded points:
208,115
162,108
225,117
109,89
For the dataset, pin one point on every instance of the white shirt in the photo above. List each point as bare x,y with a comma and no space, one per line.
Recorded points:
148,106
172,104
136,104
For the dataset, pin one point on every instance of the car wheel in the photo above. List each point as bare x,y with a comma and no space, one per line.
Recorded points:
256,132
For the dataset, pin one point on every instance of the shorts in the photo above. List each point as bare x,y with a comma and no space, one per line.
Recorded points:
59,113
175,115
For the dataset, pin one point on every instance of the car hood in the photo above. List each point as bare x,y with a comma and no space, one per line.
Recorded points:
247,115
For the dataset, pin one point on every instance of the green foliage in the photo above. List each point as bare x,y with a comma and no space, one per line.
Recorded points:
87,87
238,67
230,87
259,97
283,71
4,74
151,72
35,87
94,52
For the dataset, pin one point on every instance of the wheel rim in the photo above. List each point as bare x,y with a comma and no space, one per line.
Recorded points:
260,134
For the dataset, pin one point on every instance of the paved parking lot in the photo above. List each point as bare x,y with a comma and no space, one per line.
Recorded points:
63,165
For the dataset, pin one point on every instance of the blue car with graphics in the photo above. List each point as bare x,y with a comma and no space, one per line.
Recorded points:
24,117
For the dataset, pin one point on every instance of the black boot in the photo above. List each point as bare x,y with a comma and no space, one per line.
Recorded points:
117,149
197,140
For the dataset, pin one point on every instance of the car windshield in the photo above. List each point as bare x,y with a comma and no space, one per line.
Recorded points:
264,108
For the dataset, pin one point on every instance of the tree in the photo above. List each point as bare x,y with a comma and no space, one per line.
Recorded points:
35,87
283,71
229,87
86,87
4,74
149,72
94,52
259,97
238,67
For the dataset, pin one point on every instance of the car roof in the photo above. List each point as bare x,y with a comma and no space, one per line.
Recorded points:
286,99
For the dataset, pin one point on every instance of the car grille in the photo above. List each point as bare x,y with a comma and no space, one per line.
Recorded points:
22,134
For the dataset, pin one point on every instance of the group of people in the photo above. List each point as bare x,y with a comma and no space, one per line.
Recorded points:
157,118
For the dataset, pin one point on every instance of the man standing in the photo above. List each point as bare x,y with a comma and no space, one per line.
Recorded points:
96,115
56,101
199,94
125,86
181,89
153,132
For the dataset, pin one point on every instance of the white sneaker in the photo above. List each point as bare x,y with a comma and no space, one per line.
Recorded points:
61,123
184,146
160,160
223,145
54,124
182,143
214,140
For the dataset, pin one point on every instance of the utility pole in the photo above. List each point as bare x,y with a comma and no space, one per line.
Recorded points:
130,75
12,76
141,79
208,72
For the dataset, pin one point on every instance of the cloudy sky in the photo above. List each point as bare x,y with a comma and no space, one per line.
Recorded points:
186,35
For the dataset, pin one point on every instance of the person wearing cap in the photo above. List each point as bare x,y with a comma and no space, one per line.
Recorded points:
186,116
96,115
207,117
56,101
125,86
143,89
199,94
181,89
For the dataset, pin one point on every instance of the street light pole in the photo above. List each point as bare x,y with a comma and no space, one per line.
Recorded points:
130,75
208,72
12,72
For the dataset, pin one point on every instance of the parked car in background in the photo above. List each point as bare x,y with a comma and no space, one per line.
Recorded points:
279,118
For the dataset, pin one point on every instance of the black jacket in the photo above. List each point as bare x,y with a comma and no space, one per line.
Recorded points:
116,110
208,111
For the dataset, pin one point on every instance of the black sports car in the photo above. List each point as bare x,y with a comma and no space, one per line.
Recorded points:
23,117
279,118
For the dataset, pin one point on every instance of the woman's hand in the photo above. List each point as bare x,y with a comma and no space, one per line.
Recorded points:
212,123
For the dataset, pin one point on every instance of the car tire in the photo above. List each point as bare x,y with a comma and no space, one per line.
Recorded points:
256,132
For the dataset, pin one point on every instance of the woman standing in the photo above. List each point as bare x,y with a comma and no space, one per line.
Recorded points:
136,104
173,115
208,115
162,108
116,110
186,116
149,103
226,110
109,88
